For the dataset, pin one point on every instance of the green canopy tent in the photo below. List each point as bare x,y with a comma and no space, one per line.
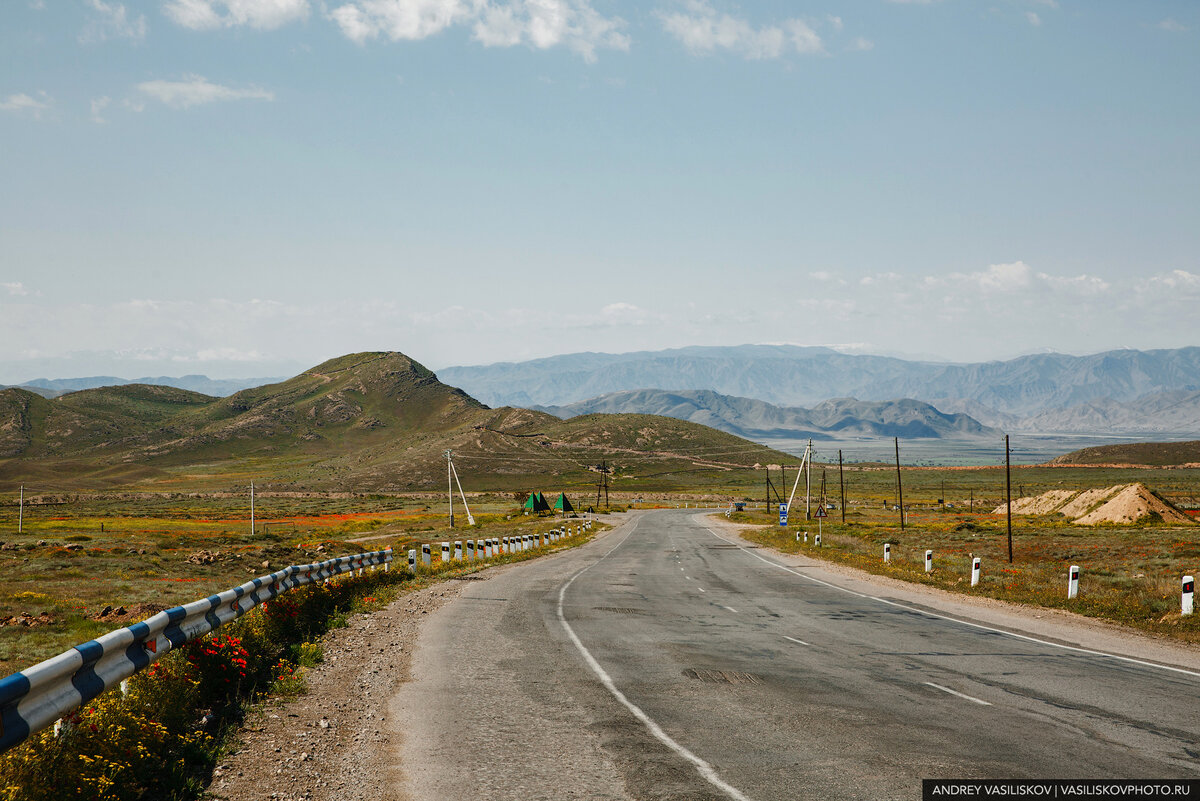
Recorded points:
563,504
536,502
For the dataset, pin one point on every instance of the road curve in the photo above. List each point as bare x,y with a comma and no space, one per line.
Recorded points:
667,660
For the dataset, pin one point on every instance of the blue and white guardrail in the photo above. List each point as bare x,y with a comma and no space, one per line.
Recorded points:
34,698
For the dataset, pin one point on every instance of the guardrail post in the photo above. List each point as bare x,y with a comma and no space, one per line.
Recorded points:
1189,591
975,571
928,561
1073,582
887,552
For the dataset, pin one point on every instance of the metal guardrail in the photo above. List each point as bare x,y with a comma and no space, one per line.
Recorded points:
34,698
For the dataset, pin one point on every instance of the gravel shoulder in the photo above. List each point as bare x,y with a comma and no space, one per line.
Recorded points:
335,741
1054,625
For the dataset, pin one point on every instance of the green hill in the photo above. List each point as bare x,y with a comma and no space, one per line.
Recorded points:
1154,454
368,421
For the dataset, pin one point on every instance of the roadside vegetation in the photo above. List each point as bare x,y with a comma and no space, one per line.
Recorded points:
161,737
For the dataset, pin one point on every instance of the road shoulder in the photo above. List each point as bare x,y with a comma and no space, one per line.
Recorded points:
1053,625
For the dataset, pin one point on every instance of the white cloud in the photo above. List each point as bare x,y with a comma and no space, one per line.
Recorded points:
98,106
1077,284
540,24
400,19
204,15
24,104
543,24
1033,18
112,22
996,278
835,22
1176,280
861,44
1174,26
702,30
196,90
15,288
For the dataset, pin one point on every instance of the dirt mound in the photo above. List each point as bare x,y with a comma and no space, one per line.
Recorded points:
1044,504
1123,503
1132,504
1088,500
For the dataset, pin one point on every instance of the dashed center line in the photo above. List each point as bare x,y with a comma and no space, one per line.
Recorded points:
793,639
960,695
700,588
730,608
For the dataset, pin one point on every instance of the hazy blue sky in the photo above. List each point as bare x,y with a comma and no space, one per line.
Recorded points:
248,187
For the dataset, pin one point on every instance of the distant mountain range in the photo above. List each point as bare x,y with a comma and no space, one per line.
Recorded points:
216,387
759,420
1115,391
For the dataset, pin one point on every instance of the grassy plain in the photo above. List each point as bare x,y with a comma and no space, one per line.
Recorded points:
145,552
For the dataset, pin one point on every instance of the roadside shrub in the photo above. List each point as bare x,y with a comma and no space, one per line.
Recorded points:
160,739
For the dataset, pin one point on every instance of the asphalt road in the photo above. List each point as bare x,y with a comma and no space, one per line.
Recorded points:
668,661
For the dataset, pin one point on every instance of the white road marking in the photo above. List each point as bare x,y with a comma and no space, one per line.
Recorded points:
700,588
960,695
980,626
689,578
730,608
793,639
706,770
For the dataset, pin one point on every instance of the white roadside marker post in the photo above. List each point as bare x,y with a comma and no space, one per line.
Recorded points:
887,552
445,552
1073,582
817,541
458,550
470,550
1189,591
388,564
425,560
412,560
929,561
975,570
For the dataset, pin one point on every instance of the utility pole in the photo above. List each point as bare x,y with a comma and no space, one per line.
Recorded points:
251,508
21,511
842,482
899,486
942,499
1008,494
450,487
602,484
808,485
767,491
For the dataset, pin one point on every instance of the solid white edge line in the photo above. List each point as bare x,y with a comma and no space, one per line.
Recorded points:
793,639
960,695
706,770
980,626
700,588
730,608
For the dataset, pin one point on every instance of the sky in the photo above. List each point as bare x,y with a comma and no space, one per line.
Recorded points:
249,187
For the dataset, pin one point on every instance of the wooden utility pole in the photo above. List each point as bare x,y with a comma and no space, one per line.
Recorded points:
1008,494
842,482
899,486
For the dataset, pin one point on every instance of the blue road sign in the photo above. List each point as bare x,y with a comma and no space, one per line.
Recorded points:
783,514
